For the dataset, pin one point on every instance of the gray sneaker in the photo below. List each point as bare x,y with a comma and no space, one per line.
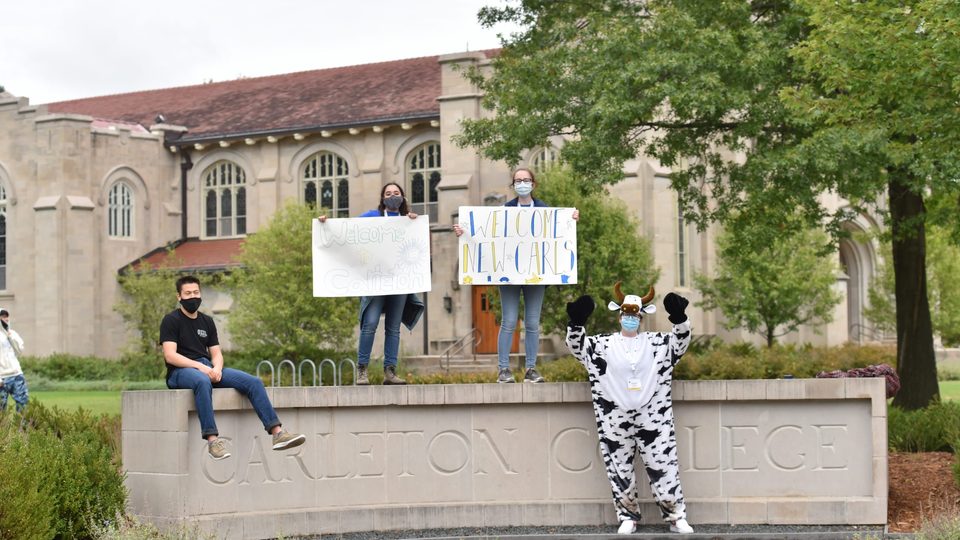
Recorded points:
390,376
505,376
532,376
217,449
283,440
362,379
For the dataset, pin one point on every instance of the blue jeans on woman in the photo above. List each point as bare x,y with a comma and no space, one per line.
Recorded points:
390,305
510,303
202,386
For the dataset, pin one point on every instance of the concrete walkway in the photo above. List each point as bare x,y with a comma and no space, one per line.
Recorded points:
647,532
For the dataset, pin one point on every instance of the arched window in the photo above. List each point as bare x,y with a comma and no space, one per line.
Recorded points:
423,176
325,183
224,200
120,211
544,158
3,238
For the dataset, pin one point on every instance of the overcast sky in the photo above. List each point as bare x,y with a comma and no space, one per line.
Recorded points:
54,50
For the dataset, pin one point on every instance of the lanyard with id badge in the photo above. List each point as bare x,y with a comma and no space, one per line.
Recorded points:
635,381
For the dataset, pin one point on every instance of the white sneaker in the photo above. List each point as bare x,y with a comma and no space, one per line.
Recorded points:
681,526
628,526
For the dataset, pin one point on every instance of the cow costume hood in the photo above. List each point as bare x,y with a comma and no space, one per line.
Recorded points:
632,304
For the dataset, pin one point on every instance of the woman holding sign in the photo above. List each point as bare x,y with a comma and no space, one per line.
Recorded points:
397,308
523,181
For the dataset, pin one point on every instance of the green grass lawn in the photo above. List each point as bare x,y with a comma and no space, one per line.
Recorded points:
95,401
950,390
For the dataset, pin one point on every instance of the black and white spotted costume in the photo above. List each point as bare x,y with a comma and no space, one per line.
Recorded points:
632,420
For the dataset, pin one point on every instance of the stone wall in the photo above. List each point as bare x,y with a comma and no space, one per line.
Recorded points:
433,456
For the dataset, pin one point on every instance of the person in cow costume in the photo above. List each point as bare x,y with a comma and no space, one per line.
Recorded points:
630,377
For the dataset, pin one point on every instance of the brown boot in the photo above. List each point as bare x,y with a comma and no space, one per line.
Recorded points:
390,376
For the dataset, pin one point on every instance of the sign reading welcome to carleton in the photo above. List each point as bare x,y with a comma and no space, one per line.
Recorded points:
371,256
511,245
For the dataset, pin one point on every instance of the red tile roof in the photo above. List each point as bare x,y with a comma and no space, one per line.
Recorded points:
193,255
354,95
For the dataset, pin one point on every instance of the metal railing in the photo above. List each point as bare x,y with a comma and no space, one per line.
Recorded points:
313,369
473,337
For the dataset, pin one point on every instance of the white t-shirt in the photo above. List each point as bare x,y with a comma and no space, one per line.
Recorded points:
9,364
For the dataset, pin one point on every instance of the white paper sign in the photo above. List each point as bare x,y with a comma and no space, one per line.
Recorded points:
371,256
510,245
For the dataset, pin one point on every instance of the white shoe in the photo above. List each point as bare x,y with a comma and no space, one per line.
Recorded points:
681,526
628,526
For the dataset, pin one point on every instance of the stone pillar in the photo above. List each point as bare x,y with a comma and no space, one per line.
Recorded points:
50,268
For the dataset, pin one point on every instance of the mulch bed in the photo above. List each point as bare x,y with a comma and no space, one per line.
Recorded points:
922,488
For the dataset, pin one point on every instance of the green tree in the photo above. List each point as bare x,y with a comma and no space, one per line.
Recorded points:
754,105
880,85
274,311
943,274
610,249
771,288
148,295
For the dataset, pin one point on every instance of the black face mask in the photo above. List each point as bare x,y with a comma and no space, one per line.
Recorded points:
393,202
190,304
5,325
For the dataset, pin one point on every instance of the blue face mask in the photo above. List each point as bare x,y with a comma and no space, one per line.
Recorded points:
523,188
630,323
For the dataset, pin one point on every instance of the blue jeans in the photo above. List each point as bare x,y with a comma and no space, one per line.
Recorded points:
15,386
390,305
510,303
202,386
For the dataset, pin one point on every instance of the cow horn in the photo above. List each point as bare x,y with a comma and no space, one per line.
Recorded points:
618,294
646,299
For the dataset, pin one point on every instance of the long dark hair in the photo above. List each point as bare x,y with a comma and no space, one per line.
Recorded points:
404,209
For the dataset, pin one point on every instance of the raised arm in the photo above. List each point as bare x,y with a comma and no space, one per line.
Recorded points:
581,345
676,307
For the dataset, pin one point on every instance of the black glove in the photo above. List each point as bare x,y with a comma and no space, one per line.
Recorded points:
579,310
676,307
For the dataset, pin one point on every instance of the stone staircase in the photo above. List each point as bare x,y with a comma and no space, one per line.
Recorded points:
466,362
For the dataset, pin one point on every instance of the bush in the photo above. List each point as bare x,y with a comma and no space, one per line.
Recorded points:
745,361
946,527
933,429
64,472
67,367
27,501
129,528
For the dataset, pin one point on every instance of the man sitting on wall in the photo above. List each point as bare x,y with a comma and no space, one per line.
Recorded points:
191,350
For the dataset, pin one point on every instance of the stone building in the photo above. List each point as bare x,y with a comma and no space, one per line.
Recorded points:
90,185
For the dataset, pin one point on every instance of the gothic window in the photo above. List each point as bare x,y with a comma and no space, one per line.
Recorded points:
3,238
120,211
224,200
423,177
325,183
544,158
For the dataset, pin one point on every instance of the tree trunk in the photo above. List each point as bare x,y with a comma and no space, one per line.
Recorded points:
916,363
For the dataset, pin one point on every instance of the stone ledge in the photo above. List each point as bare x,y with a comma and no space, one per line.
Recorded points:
570,392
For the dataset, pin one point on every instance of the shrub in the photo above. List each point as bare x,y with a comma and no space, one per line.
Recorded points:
745,361
933,429
67,367
27,500
73,479
946,527
129,528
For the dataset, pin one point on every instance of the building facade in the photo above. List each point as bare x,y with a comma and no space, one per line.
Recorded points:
89,186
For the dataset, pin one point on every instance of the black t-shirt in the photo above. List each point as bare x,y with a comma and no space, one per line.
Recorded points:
193,337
